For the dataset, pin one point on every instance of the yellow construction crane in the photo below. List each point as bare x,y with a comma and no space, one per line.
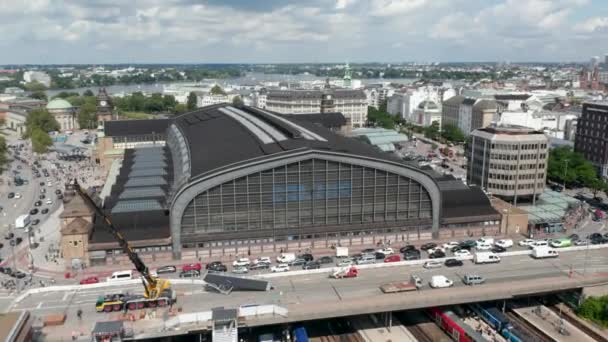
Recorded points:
157,292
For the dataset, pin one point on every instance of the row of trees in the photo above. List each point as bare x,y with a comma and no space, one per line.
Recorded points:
155,103
39,122
595,309
571,168
3,155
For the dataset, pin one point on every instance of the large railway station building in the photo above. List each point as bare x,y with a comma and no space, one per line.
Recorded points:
236,180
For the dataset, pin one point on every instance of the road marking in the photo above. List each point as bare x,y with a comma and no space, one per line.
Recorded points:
39,305
66,295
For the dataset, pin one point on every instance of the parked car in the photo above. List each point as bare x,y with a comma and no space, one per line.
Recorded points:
378,255
366,259
44,211
428,246
279,268
190,274
49,201
37,203
594,236
437,254
166,269
392,258
262,260
17,195
525,242
498,249
42,196
504,243
35,222
11,195
581,242
57,192
483,247
306,256
411,255
468,243
240,270
241,262
453,262
326,260
368,251
344,262
432,264
89,280
473,279
450,245
192,267
386,251
9,236
34,211
297,262
461,248
462,253
18,275
573,237
259,266
407,248
311,265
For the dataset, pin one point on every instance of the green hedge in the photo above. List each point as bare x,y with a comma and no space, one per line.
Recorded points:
595,309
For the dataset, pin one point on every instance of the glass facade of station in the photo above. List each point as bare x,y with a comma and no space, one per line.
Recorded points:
308,193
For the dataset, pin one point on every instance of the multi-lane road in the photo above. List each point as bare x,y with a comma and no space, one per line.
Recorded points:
319,291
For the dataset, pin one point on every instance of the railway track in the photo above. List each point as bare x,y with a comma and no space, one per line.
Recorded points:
532,334
576,323
422,327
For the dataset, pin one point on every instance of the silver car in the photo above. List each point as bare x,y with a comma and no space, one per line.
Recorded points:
473,279
240,270
432,264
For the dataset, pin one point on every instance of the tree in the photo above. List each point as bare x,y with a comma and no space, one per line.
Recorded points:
169,103
40,119
35,86
180,108
65,94
432,131
217,90
567,166
88,92
594,309
40,140
137,102
376,117
452,133
39,94
192,101
86,115
237,101
3,150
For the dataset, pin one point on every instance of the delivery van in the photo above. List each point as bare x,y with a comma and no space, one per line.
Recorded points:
544,252
286,258
439,281
486,258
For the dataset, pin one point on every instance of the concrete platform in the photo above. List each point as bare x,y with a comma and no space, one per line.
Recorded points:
549,322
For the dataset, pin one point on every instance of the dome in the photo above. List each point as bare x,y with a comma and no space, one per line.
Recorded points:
58,104
427,105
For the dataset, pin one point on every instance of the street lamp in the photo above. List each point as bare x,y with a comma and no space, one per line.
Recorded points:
565,172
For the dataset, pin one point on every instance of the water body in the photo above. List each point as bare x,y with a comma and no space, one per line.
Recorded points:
249,79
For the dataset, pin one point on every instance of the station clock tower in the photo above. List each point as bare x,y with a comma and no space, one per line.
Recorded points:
104,107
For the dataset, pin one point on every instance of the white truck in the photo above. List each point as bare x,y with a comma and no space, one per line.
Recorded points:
22,221
341,252
544,252
285,258
486,258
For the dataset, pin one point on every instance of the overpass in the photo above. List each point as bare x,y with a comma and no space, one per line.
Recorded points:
311,296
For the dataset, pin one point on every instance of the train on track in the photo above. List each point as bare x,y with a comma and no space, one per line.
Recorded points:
454,326
500,322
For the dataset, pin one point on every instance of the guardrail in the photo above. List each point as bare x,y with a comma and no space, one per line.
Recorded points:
78,287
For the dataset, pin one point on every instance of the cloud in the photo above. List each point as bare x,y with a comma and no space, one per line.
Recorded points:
595,24
98,31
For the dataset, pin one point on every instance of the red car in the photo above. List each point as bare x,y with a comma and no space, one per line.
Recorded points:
392,258
89,280
192,267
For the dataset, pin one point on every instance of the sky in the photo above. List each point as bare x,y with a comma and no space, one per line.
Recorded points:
300,31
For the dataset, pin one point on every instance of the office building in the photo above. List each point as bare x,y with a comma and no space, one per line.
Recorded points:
450,110
592,135
351,103
508,161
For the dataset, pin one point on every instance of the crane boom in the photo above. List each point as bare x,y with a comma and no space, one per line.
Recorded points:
151,282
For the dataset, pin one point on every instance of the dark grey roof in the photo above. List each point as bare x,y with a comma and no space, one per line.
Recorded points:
470,201
327,120
469,101
513,97
108,328
427,105
454,100
209,130
313,94
118,128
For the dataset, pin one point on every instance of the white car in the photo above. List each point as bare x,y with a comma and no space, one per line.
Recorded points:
483,247
450,245
581,242
49,201
49,183
462,253
432,264
262,260
344,262
386,251
506,243
525,242
433,250
17,195
539,243
241,262
279,268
